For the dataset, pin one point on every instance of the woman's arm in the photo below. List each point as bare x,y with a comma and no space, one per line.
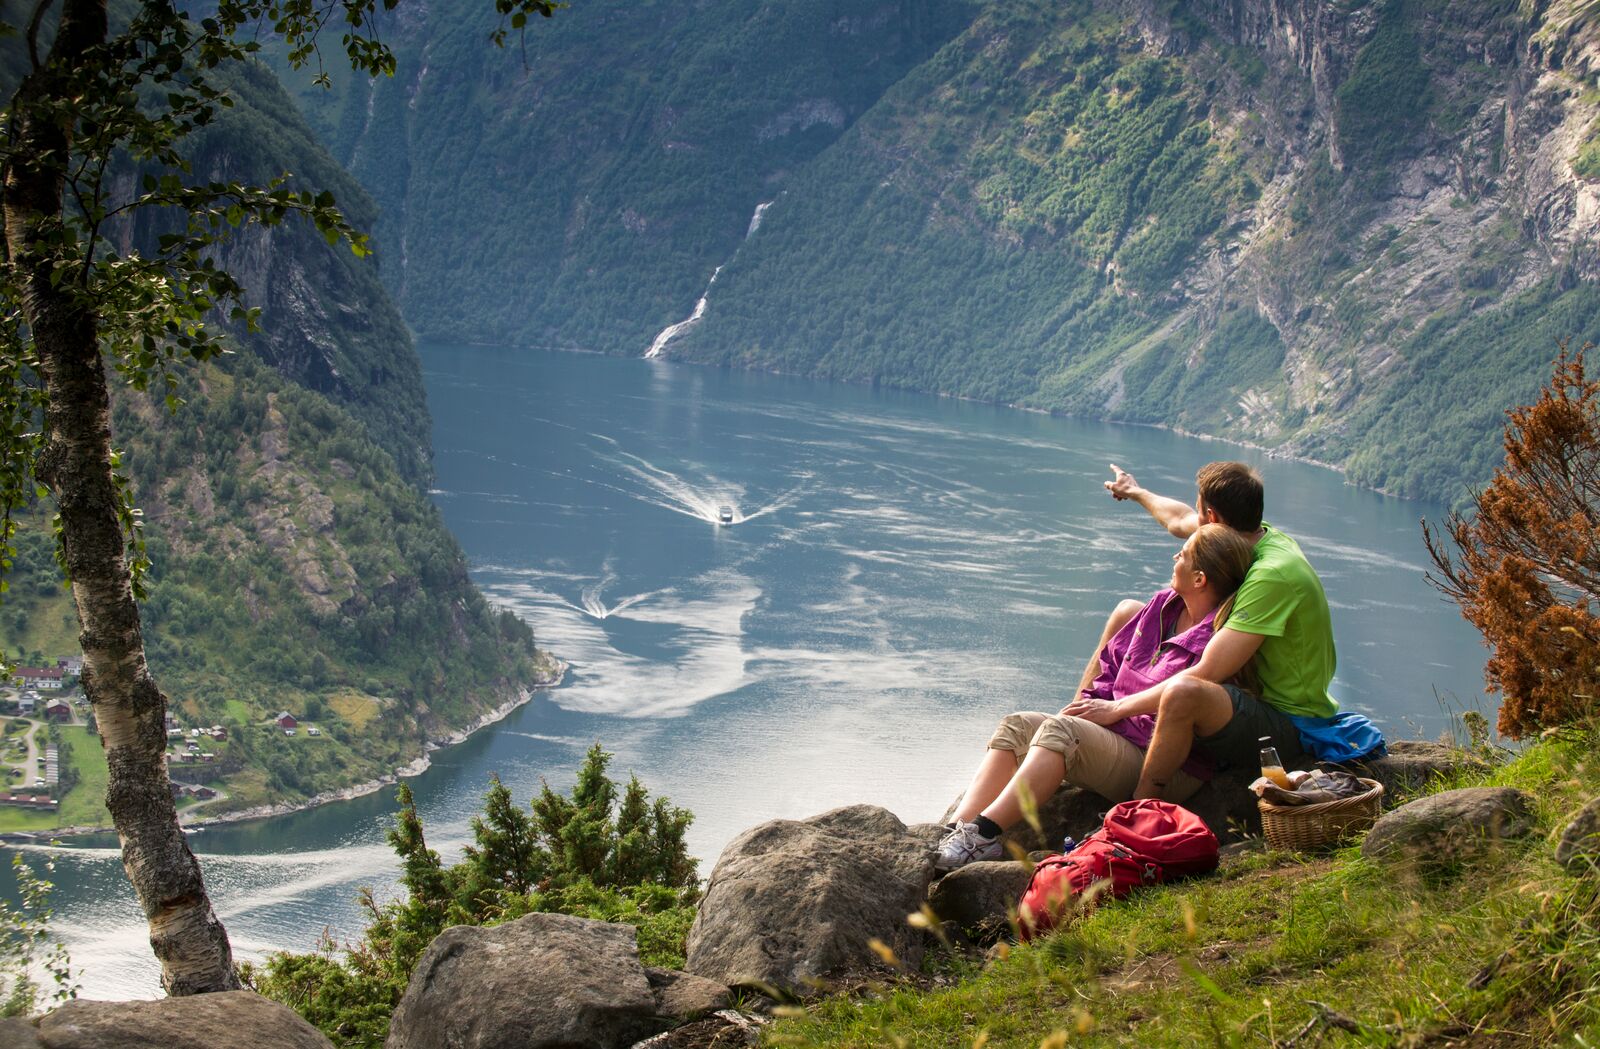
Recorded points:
1225,655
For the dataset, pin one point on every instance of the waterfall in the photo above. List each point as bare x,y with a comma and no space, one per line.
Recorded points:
672,331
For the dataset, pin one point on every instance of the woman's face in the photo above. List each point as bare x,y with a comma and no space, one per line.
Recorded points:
1186,578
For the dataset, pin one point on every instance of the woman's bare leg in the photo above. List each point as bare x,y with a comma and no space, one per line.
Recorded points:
994,771
1040,773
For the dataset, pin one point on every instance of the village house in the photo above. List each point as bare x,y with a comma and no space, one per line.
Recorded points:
27,703
218,732
28,801
58,710
73,665
38,677
286,719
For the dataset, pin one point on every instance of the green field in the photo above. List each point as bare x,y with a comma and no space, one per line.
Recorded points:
84,805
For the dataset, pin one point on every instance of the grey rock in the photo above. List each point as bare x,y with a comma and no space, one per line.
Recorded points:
980,897
19,1034
1413,764
1579,848
225,1020
1456,825
545,980
685,996
791,901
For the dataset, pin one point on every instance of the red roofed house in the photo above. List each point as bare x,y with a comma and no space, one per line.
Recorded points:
58,710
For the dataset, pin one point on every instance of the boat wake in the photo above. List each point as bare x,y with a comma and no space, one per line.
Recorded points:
591,604
713,501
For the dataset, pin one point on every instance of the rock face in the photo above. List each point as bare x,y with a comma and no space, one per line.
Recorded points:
1442,829
685,996
546,980
1411,764
226,1020
791,901
19,1034
1579,848
980,897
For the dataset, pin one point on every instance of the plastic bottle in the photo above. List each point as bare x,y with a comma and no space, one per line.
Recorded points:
1272,765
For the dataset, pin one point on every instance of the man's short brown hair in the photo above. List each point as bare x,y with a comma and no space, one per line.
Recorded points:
1234,492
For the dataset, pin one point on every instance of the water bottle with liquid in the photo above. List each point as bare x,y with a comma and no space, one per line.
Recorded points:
1272,765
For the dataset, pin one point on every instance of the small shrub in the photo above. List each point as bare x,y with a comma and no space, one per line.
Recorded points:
1526,566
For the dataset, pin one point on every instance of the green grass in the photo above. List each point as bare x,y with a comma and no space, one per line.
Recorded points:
42,624
1241,958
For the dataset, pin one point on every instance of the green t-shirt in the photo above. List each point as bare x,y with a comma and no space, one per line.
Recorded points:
1282,600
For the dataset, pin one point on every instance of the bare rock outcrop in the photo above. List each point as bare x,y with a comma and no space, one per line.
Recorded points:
1443,829
791,901
225,1020
540,982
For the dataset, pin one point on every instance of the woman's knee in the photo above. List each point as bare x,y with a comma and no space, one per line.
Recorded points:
1014,733
1060,733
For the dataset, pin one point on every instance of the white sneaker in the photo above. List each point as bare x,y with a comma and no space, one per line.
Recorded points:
965,845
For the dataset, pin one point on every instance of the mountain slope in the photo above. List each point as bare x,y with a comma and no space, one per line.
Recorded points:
1276,223
1279,221
298,563
580,192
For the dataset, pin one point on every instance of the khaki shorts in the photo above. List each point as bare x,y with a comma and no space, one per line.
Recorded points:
1097,758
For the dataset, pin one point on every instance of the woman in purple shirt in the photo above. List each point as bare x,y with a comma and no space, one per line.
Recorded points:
1035,753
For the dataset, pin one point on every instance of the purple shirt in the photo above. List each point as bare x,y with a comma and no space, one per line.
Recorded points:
1137,657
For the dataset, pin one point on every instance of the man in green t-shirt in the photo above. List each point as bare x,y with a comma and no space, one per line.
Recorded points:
1278,632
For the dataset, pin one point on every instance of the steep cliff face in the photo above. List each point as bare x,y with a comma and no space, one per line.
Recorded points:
579,190
1472,208
1348,230
1392,239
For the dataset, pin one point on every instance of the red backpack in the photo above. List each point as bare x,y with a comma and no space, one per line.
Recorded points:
1142,842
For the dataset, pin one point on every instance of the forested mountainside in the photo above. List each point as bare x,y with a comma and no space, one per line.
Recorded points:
1352,231
577,191
298,564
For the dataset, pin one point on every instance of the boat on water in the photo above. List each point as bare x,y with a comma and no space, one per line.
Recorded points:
725,514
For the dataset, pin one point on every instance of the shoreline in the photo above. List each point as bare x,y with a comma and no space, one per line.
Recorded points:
415,767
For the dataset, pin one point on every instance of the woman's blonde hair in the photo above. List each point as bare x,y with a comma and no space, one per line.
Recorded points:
1224,555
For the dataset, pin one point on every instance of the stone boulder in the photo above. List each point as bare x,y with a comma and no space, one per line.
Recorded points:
1413,764
1579,848
19,1034
1442,829
225,1020
544,980
685,996
791,901
980,897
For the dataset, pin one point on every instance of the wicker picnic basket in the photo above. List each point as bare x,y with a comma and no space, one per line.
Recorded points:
1322,824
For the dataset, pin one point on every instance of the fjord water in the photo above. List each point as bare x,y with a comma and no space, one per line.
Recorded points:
902,570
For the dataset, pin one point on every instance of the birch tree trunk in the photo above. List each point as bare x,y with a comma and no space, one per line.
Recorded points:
130,710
